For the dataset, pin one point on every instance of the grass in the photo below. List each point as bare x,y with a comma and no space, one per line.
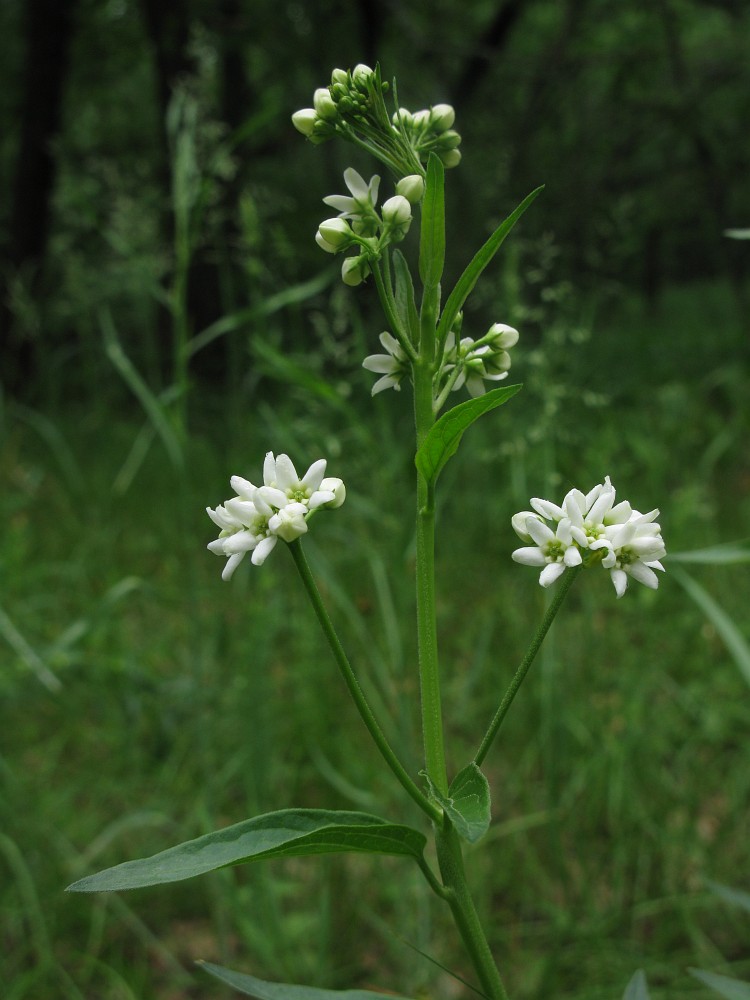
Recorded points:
620,780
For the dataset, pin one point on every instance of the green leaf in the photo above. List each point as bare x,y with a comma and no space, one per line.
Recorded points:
717,555
484,255
738,234
637,988
432,235
283,834
467,804
445,436
733,639
735,897
263,990
732,989
404,294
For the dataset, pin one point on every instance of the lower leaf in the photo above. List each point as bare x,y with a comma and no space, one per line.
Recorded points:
263,990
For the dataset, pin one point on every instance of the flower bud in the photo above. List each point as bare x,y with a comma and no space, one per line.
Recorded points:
289,523
334,233
503,336
519,524
450,157
336,486
361,74
411,188
396,211
442,117
304,121
421,118
354,270
450,139
324,104
340,76
403,117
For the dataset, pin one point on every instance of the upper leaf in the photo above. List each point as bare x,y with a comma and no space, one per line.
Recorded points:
732,989
287,833
406,307
481,259
637,988
432,235
444,437
263,990
467,804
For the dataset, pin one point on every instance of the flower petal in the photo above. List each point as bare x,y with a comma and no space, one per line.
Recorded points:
231,565
286,474
314,475
551,573
263,550
529,555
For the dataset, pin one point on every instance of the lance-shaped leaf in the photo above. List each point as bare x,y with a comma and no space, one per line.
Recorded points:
444,437
283,834
732,989
735,897
481,259
467,804
404,294
637,988
263,990
432,234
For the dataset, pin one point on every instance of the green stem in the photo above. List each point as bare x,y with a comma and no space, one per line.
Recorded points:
565,584
355,690
464,913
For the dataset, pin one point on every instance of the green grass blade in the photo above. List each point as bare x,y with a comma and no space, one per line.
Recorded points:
479,262
735,897
637,988
262,990
716,555
287,833
732,637
732,989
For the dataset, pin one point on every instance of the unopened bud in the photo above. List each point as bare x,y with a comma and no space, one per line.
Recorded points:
411,188
503,336
396,211
324,104
442,117
361,74
450,157
354,270
335,486
403,117
304,121
340,76
334,234
450,139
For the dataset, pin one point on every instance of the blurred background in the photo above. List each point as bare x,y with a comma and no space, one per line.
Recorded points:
167,318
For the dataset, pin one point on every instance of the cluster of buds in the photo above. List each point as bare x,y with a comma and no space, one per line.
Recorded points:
360,226
254,519
472,362
353,107
431,130
591,529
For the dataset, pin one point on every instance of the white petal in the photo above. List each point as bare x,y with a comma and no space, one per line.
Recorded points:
529,555
374,188
243,510
356,184
518,522
243,487
240,541
286,474
386,382
267,498
640,572
621,512
216,546
231,565
314,475
343,204
269,469
475,385
551,573
391,345
620,580
655,564
382,364
263,550
320,497
572,556
547,509
539,531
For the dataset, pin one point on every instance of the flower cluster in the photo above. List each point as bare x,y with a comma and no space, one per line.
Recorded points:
359,224
591,529
353,107
254,519
472,362
430,131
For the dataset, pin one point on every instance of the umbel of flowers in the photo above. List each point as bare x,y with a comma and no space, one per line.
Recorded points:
254,519
591,530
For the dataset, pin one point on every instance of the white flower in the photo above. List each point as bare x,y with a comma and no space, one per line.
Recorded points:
555,551
393,366
635,549
282,485
364,197
243,528
335,486
478,364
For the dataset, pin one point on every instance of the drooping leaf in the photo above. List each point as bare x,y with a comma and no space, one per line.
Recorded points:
481,259
738,234
467,803
732,989
733,639
735,897
637,988
404,293
716,555
432,235
444,437
283,834
262,990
